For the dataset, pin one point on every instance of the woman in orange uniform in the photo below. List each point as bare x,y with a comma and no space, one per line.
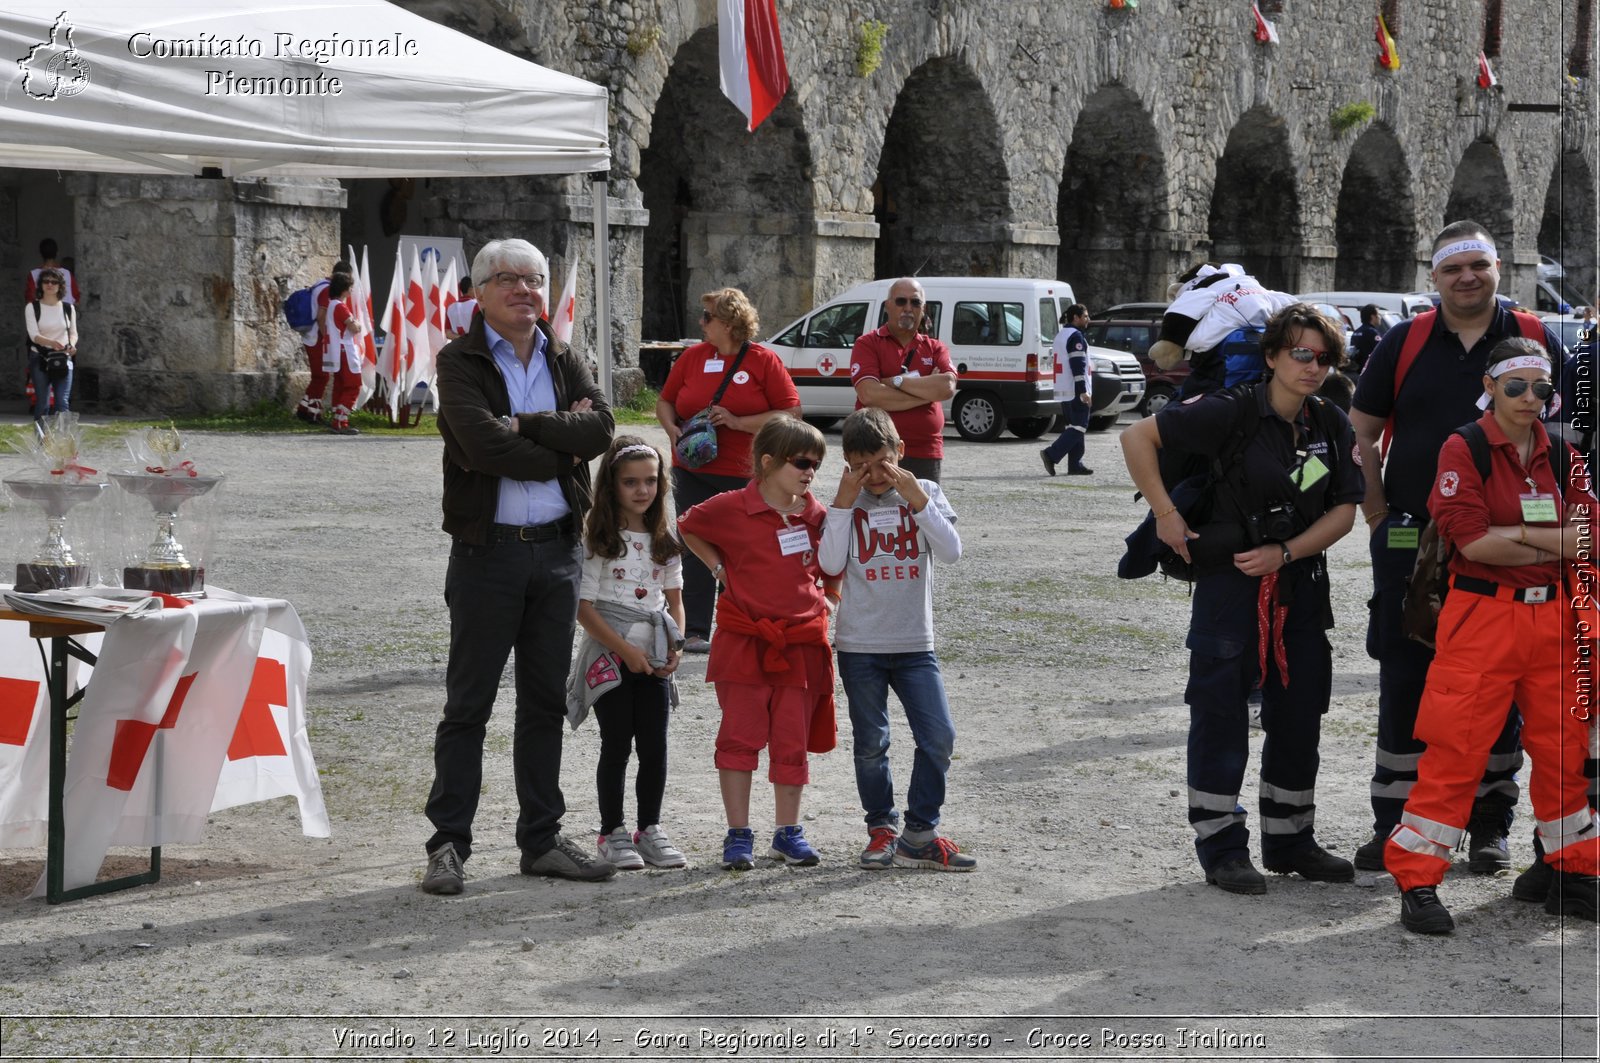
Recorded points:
1508,632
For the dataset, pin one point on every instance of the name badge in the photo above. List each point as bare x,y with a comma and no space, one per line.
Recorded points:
714,365
1539,509
1310,473
885,519
1403,538
794,540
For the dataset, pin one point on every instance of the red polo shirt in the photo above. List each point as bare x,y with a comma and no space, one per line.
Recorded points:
761,384
766,583
879,356
1466,506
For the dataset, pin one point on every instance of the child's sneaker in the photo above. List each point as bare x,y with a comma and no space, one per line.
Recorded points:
789,845
940,854
879,853
738,849
617,850
657,850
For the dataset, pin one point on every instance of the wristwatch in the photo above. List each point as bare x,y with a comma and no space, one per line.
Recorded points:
901,379
1287,556
506,420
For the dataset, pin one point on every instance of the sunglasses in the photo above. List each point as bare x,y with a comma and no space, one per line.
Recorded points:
806,464
1305,356
706,317
901,300
1542,389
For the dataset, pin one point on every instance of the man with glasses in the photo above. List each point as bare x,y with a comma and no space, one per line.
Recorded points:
521,419
906,374
1417,394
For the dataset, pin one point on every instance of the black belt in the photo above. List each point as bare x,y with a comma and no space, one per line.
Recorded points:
1529,595
530,533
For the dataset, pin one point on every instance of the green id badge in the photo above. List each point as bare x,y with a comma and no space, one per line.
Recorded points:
1310,474
1403,538
1538,509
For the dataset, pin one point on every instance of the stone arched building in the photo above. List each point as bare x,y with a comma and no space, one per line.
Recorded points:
1104,145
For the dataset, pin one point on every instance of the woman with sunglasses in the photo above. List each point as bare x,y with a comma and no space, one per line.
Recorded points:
757,389
1286,490
52,325
1511,630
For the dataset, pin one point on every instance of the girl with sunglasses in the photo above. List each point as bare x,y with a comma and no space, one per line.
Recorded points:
770,658
52,324
1511,629
1285,490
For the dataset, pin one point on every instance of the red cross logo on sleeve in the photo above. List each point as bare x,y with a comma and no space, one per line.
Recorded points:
133,738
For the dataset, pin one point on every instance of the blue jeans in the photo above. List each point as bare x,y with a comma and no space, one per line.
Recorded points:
1069,444
42,385
915,679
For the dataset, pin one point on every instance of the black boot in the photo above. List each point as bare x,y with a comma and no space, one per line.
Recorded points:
1488,850
1574,894
1422,913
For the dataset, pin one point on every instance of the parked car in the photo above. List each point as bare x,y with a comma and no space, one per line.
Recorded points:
1134,336
1350,303
1133,312
999,331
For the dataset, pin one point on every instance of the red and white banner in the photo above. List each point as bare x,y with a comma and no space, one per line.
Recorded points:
750,50
361,295
567,312
1388,54
24,740
1486,78
1266,32
391,367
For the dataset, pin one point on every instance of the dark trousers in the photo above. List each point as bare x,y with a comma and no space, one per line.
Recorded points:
690,488
633,716
1402,673
1069,444
923,468
520,596
1223,665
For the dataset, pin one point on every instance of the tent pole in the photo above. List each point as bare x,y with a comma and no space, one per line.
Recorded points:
602,279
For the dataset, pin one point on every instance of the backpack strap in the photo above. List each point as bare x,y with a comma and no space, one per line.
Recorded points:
1478,446
1531,327
1417,333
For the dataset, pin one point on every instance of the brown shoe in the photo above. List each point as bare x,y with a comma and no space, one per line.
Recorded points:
566,859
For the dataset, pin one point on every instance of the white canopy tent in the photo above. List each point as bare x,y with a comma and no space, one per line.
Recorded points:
324,88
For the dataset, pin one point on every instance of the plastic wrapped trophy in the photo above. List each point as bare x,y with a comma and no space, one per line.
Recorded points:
166,483
59,484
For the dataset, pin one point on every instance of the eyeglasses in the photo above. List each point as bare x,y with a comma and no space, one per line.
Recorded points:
707,317
56,283
1305,356
901,300
806,464
1542,389
509,281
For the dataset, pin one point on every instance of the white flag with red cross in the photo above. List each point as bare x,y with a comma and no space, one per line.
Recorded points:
24,740
391,367
361,295
567,312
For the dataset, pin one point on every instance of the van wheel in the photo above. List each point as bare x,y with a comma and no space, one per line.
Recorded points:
1103,422
1156,398
1028,427
978,416
821,424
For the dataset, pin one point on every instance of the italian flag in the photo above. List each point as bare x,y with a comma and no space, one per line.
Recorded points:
750,48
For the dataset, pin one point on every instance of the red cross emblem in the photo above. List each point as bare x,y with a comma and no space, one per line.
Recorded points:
825,365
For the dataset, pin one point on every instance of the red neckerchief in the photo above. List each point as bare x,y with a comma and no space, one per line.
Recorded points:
1270,616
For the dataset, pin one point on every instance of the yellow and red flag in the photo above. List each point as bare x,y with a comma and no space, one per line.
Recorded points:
1388,54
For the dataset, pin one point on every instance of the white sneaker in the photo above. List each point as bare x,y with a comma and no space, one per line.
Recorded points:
618,850
657,850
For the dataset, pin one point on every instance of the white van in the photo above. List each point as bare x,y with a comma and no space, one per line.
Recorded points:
1350,303
998,330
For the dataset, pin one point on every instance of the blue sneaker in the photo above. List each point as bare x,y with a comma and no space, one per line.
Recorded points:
738,849
940,854
789,845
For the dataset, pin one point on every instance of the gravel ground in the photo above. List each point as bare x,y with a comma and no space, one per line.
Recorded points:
1087,931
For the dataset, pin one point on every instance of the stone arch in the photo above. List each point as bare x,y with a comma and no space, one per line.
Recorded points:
1567,229
727,207
942,198
1481,191
1112,209
1375,225
1255,202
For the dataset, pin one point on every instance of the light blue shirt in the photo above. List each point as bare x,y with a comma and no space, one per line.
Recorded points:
531,391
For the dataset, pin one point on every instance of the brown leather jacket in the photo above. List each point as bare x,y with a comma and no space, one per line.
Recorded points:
479,449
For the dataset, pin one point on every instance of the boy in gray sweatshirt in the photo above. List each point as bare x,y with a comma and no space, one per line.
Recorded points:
882,533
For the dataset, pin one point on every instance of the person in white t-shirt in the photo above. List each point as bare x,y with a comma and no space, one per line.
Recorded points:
52,325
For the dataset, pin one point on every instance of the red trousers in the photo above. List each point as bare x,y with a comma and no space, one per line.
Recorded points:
346,384
1492,652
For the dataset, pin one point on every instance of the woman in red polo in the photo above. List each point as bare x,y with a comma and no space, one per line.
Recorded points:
1510,631
758,390
770,659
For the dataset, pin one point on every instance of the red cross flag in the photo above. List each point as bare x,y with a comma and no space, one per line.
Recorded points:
750,48
1266,32
1486,78
24,740
567,312
391,368
362,296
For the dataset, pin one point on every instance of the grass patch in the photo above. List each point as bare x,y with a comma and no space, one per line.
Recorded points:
639,410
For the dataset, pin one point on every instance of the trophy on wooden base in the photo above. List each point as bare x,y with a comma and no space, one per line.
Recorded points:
55,565
163,565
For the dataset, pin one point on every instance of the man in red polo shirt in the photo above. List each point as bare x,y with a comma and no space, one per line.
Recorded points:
907,375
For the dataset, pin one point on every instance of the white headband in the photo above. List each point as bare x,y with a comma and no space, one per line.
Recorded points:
1521,361
1463,245
636,448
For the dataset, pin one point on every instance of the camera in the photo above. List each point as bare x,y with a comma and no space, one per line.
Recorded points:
1275,524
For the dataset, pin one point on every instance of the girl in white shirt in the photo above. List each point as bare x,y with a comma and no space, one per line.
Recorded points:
52,326
632,574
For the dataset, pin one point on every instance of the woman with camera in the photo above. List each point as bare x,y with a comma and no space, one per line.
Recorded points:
1516,626
52,325
1285,484
739,386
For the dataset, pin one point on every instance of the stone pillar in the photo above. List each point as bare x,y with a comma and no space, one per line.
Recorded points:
845,246
190,277
1032,251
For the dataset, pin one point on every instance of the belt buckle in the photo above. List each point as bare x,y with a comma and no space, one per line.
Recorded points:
528,533
1535,595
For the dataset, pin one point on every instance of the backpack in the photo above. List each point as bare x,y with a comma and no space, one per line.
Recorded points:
300,311
1430,578
1192,481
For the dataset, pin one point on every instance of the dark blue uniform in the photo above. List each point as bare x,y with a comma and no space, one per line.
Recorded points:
1439,394
1224,633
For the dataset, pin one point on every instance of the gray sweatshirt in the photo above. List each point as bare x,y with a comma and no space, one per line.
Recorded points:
887,598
